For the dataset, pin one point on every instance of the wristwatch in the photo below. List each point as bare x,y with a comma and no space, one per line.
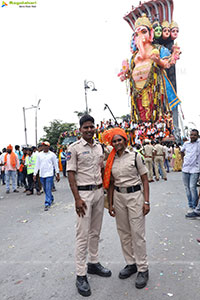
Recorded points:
146,203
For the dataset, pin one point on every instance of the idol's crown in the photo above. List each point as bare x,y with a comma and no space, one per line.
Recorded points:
165,24
143,21
173,24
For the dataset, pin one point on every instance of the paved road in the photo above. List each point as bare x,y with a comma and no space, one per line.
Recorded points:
37,248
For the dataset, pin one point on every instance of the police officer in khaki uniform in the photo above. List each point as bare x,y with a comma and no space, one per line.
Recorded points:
148,158
128,193
159,160
84,167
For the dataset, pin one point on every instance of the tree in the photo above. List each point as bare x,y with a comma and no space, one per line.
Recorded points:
55,129
82,113
126,118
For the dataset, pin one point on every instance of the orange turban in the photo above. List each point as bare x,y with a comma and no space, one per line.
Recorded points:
107,137
9,147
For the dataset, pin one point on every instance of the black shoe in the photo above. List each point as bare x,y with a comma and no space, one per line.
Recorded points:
7,192
98,269
128,271
15,191
141,280
83,286
46,207
192,215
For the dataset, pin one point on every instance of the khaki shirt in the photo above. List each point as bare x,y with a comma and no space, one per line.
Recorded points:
148,150
159,148
87,161
124,171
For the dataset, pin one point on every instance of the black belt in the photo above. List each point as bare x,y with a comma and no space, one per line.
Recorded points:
130,189
90,187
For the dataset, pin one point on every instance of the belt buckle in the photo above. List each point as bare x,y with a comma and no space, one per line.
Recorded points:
95,187
123,190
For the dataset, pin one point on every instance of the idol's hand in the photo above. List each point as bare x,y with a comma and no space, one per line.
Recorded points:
155,58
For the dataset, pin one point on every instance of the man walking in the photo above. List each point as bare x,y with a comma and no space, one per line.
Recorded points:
30,163
19,154
159,161
190,153
46,163
166,162
148,158
84,166
11,163
63,161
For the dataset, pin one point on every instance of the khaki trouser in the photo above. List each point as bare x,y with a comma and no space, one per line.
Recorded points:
149,165
159,160
88,229
131,227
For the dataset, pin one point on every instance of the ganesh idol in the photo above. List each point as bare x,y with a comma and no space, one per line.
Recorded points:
150,90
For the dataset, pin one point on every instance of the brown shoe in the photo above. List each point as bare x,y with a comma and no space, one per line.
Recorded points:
28,193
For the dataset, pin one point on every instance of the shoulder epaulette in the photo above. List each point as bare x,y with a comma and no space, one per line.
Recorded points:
75,143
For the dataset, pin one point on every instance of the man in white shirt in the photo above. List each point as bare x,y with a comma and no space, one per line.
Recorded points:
46,163
190,153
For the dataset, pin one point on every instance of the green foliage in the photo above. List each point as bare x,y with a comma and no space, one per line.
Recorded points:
126,118
53,131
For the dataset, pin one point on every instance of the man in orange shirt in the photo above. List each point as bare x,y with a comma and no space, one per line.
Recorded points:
11,163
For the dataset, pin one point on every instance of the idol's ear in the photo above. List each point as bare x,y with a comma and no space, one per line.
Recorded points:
151,35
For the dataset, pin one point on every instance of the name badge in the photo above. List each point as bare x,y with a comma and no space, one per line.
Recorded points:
86,152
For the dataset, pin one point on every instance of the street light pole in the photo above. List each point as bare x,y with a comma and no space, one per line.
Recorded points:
25,129
88,85
85,87
36,109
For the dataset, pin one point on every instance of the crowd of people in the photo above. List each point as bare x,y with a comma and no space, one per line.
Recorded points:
30,168
138,132
160,158
18,165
